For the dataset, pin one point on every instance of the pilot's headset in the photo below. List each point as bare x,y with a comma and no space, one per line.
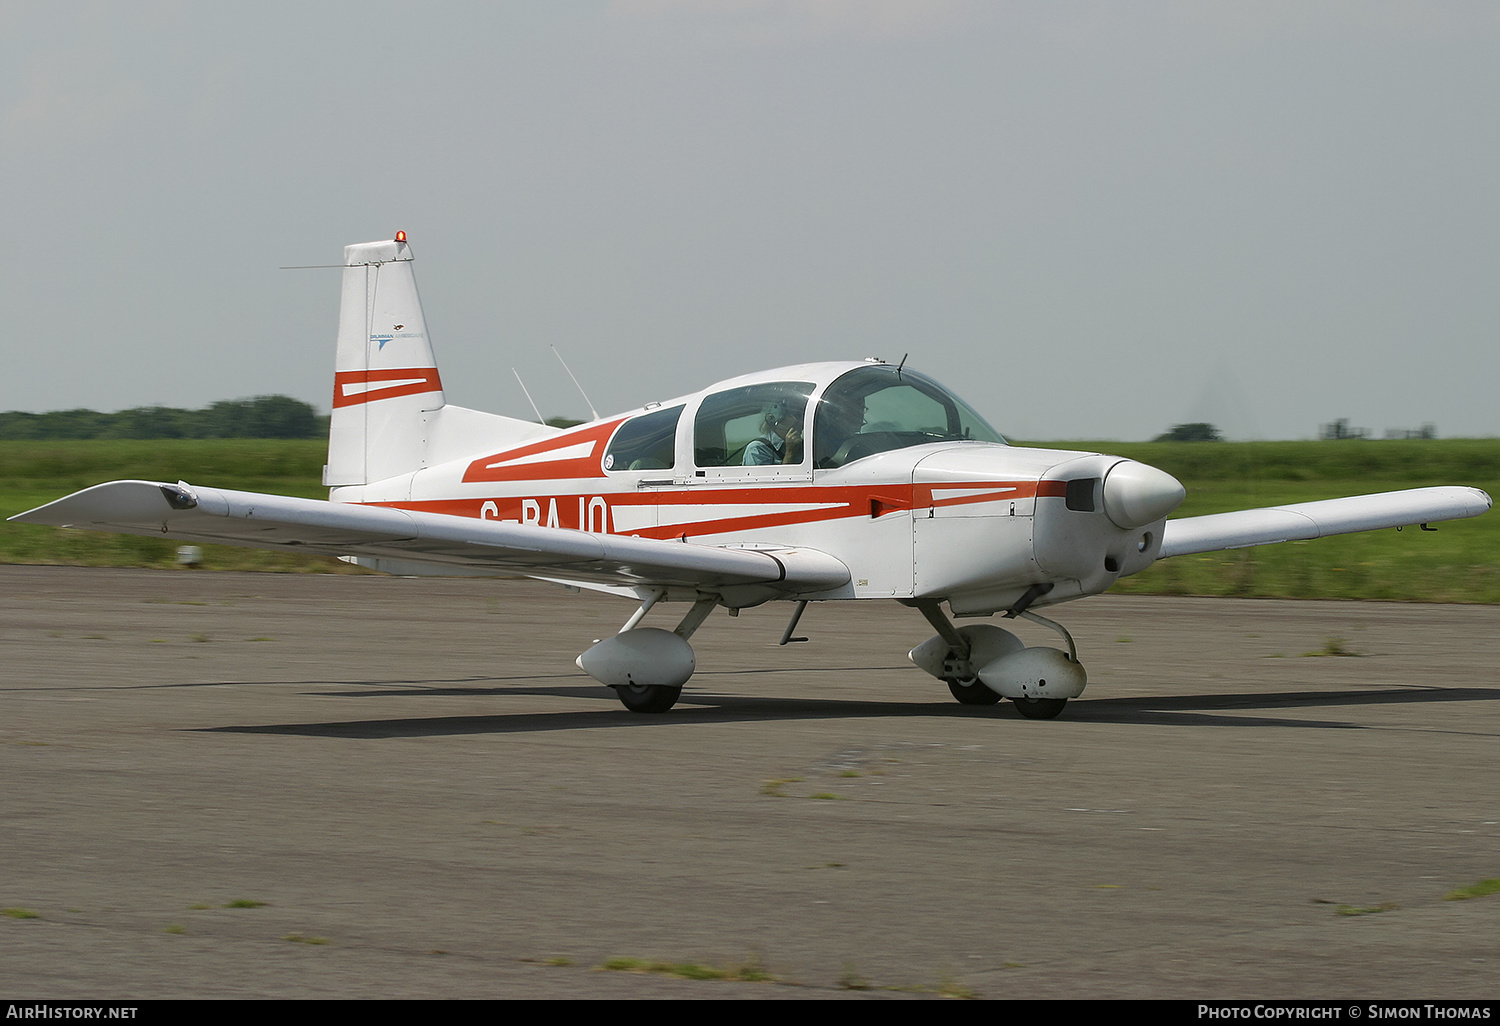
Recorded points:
775,412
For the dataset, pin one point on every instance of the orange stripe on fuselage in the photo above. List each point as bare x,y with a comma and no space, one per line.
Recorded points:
836,502
536,467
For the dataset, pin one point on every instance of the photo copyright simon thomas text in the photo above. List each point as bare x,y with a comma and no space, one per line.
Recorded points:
1296,1010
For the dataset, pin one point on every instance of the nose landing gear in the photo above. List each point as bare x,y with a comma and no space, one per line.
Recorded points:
1040,708
982,664
972,691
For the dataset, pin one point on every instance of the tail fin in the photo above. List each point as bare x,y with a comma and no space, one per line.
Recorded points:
389,413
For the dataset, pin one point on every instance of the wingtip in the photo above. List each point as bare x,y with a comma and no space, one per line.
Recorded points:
31,516
110,502
1479,495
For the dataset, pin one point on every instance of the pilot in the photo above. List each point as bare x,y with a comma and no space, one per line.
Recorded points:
840,418
780,440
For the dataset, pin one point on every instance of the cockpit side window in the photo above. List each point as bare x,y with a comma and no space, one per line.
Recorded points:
757,425
878,409
647,442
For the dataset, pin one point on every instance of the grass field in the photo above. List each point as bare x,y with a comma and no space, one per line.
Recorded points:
1460,562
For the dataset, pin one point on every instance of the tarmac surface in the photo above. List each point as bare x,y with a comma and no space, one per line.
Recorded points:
430,800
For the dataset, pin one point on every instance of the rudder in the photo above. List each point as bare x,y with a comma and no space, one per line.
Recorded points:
390,418
385,376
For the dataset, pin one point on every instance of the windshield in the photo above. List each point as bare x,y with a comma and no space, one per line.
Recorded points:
880,408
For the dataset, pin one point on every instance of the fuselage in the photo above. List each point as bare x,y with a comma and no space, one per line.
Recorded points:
875,465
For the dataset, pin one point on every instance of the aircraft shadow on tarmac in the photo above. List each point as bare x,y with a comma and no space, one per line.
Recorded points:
705,706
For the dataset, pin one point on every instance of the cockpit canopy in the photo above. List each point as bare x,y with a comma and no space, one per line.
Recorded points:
880,408
789,422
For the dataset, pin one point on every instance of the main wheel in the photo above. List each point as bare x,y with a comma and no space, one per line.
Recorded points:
648,698
1040,708
972,692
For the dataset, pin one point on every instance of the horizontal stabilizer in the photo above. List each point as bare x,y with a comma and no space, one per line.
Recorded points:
1303,520
250,519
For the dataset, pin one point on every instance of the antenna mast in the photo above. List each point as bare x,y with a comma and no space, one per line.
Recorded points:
592,412
539,418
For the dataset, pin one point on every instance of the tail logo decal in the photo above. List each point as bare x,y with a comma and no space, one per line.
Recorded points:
367,386
381,340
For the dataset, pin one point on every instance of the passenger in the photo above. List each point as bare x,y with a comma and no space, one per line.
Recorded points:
780,440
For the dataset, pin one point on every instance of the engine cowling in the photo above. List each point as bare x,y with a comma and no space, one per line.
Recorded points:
1107,523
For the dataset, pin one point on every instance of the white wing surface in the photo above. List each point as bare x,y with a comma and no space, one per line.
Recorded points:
1303,520
222,516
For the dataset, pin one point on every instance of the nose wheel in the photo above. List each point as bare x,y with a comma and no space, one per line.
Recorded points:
1038,708
972,692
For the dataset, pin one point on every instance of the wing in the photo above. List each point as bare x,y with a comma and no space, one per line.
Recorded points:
225,517
1302,520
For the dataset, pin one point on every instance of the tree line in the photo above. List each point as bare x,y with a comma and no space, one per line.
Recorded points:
1199,432
263,416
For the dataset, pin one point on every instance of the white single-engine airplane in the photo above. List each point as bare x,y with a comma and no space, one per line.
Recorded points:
807,483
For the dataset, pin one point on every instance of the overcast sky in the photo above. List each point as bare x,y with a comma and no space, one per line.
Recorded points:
1093,220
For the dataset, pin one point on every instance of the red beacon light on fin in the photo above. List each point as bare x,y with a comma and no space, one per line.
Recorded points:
400,236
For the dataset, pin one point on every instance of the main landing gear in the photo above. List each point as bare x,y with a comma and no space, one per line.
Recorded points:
647,698
982,663
647,666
